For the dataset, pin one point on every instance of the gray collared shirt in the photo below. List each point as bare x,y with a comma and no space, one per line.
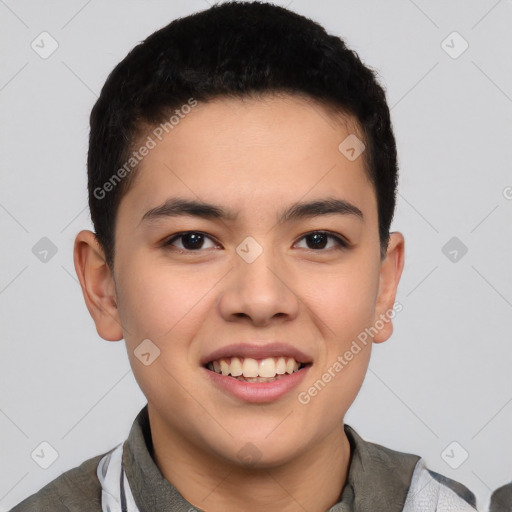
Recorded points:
378,479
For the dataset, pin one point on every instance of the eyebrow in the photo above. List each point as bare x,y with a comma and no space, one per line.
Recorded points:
184,207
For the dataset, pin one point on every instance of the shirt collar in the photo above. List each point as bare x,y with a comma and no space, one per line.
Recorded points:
378,478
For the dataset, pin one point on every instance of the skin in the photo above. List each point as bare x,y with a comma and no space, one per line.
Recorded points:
255,157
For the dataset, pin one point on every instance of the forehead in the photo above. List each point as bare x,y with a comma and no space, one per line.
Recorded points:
254,152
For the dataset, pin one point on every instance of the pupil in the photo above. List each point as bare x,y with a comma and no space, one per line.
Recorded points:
319,240
192,241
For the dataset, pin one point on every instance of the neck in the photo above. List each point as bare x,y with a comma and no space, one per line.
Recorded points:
312,481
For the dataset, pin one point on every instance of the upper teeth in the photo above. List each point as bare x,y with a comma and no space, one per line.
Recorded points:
248,367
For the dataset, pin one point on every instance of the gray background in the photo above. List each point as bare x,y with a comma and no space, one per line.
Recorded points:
446,373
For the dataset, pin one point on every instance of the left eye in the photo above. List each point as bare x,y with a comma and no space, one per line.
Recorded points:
191,241
318,240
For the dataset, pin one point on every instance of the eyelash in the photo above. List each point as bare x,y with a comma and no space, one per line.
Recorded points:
341,242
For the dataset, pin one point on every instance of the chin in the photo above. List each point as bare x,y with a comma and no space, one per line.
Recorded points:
259,452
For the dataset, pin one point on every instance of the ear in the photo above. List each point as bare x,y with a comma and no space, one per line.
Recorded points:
390,272
98,286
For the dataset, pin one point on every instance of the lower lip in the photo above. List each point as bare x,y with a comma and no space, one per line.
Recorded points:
258,392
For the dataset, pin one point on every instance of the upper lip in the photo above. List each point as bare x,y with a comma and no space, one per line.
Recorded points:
256,351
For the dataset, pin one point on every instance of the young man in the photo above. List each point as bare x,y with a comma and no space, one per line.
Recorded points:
242,180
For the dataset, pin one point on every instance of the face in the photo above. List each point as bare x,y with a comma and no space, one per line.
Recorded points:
247,252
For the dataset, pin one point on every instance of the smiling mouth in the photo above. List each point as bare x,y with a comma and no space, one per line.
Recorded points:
247,369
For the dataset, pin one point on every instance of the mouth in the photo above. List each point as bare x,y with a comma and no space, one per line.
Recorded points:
248,369
256,372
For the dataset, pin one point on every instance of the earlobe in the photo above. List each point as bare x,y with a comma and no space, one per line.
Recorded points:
390,273
98,285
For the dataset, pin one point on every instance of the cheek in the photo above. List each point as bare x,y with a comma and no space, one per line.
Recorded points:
348,302
158,301
345,302
165,306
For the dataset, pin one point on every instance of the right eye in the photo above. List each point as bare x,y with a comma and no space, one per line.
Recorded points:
191,241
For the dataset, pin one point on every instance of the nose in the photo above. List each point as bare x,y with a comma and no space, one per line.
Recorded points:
260,293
